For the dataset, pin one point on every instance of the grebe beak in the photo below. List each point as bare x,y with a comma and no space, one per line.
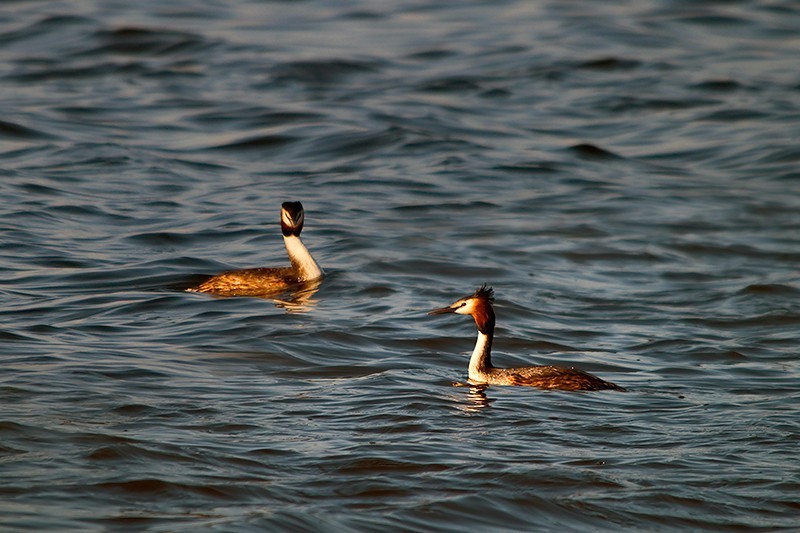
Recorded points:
443,310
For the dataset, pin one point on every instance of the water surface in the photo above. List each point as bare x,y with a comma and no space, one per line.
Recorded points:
624,174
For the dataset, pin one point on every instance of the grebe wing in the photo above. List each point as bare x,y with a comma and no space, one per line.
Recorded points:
249,281
553,377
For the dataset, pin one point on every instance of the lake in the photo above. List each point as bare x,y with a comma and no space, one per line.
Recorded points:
624,174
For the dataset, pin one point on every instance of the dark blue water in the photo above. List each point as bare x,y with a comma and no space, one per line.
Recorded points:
625,174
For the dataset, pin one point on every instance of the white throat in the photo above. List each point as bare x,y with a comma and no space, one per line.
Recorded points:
480,361
307,269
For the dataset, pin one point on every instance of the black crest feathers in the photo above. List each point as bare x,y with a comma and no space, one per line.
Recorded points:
485,292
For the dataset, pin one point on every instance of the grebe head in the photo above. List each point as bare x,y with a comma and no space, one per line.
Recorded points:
479,305
292,218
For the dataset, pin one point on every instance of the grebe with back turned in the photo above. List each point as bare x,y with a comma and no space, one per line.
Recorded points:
481,370
259,281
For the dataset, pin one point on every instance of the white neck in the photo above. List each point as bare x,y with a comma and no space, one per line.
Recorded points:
481,360
304,265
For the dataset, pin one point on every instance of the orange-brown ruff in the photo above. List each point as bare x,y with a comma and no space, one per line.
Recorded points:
479,305
260,281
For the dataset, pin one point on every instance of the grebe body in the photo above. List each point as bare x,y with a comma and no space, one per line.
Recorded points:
259,281
481,370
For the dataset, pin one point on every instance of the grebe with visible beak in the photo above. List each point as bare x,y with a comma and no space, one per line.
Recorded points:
481,370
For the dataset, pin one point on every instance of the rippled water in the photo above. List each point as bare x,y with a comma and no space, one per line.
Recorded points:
625,174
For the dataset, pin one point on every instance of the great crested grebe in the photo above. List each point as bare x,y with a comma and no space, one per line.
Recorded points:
259,281
481,371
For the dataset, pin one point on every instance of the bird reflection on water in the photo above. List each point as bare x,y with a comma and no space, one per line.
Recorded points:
476,397
300,300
